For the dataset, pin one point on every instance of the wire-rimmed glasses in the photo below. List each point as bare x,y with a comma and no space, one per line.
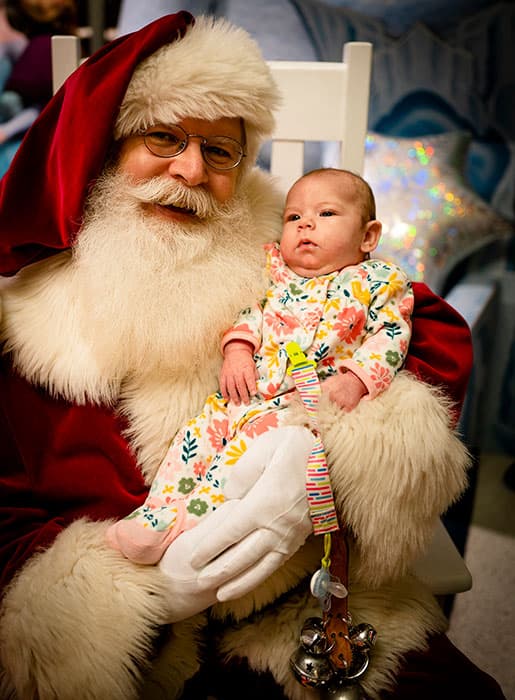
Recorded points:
219,152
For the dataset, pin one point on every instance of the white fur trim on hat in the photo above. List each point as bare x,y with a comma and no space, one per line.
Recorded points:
216,70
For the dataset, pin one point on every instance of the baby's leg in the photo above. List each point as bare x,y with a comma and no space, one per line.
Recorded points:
177,495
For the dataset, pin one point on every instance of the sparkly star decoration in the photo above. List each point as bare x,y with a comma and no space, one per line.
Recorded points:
431,219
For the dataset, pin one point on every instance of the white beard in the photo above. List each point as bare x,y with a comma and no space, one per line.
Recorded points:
133,316
168,290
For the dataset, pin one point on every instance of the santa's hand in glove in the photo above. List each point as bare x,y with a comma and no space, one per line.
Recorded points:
263,522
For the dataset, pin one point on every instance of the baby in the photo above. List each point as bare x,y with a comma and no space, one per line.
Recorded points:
350,316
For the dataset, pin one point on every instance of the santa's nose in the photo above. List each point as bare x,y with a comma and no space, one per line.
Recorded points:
189,166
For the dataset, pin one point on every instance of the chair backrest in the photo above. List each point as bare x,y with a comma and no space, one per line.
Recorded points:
65,58
322,102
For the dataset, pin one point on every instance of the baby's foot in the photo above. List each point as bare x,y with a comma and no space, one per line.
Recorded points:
142,542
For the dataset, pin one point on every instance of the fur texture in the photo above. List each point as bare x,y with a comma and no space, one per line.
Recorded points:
396,465
80,590
215,71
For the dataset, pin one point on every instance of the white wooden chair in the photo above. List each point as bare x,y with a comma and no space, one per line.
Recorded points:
322,102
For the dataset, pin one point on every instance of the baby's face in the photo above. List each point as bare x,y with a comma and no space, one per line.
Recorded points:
323,230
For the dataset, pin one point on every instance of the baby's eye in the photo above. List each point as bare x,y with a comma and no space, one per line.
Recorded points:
292,217
327,212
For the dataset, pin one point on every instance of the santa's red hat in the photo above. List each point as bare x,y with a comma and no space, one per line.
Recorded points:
171,69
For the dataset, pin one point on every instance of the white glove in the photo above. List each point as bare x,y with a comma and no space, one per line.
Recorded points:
262,524
269,521
187,596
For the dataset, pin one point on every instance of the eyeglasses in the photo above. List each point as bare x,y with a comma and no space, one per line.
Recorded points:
219,152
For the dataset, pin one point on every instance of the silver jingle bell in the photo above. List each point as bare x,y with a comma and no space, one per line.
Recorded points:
313,623
343,691
311,670
315,641
313,637
363,636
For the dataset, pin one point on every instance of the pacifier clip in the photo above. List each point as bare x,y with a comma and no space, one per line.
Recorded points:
332,655
318,485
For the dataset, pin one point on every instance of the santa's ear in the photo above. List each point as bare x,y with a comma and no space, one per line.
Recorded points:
371,236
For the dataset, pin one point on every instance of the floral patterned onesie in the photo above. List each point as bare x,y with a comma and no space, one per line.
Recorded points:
354,319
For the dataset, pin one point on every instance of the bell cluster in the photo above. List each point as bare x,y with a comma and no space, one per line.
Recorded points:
312,666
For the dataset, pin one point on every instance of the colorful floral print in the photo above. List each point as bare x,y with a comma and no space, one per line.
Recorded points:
357,318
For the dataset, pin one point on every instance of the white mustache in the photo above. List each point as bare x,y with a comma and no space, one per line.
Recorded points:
158,191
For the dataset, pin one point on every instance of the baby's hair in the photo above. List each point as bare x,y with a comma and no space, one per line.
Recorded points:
363,190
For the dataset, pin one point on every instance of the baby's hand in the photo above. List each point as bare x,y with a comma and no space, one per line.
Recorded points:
344,389
238,375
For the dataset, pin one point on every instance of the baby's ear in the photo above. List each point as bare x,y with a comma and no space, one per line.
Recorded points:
371,236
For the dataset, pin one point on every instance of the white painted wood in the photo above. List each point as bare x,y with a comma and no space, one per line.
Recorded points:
322,101
65,58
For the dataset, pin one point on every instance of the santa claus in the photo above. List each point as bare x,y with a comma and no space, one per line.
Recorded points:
122,269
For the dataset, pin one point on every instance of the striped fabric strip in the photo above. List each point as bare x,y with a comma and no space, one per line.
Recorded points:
318,486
